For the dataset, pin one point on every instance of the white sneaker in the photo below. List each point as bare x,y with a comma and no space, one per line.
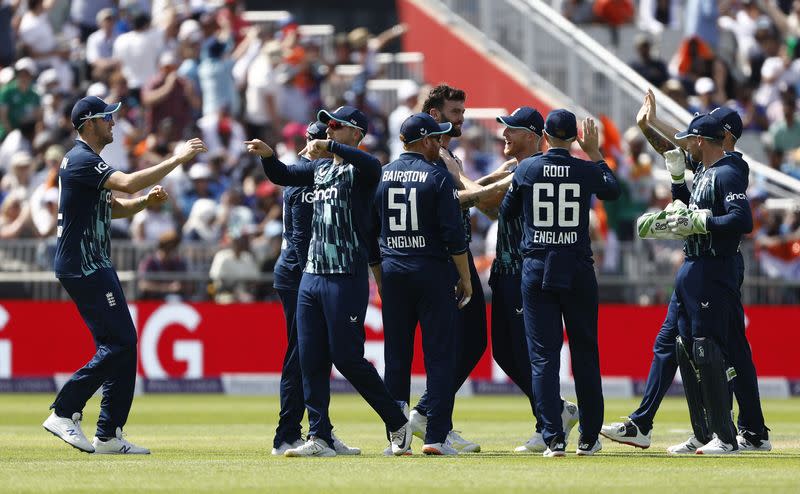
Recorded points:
752,442
717,447
585,450
686,448
400,440
343,449
534,445
626,433
419,424
556,449
460,444
280,450
439,449
312,447
118,446
569,417
69,430
388,451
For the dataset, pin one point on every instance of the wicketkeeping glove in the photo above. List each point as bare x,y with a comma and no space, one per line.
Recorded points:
689,222
676,164
654,225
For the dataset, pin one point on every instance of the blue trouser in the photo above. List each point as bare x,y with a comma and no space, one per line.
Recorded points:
103,308
330,330
470,337
291,391
423,295
543,310
509,343
664,366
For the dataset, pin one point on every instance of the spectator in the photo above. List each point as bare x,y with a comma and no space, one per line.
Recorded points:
784,135
578,11
261,116
84,14
19,139
754,116
652,69
44,203
168,95
137,52
234,269
155,221
190,36
18,99
216,81
294,140
706,90
407,98
202,224
613,13
15,216
201,176
769,90
37,35
701,21
19,176
100,46
223,135
787,95
165,260
654,15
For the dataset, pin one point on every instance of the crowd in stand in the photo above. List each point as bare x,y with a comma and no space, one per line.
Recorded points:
199,69
740,53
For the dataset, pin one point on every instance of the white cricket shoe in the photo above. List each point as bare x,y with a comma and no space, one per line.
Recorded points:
686,448
280,450
118,446
313,447
626,433
388,451
534,445
439,449
749,441
584,449
342,449
717,447
419,424
400,440
69,430
569,418
460,444
556,449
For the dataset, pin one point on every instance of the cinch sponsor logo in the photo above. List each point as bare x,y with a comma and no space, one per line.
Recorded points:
325,194
734,197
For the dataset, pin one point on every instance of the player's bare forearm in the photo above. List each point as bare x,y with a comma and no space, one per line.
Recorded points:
376,273
659,142
462,265
502,172
667,131
124,208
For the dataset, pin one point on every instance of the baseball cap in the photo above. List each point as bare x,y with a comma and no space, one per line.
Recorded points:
704,85
200,171
21,158
27,64
421,125
317,130
91,107
524,117
703,126
347,115
730,120
561,124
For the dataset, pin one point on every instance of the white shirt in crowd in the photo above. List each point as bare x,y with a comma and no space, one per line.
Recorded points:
138,51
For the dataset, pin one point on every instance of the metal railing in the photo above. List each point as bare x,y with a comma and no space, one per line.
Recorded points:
643,272
551,52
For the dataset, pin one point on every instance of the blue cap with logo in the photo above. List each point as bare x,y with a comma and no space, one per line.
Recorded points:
704,126
524,117
421,125
346,115
317,130
730,119
91,107
561,124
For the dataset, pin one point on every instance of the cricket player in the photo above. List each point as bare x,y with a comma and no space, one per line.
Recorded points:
334,289
553,193
420,230
522,135
446,105
297,213
636,431
83,267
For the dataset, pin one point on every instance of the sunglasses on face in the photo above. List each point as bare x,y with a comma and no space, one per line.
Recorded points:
105,117
336,125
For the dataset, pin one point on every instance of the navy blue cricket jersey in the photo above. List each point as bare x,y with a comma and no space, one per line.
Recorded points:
721,188
84,213
298,210
466,217
418,213
343,195
508,254
553,193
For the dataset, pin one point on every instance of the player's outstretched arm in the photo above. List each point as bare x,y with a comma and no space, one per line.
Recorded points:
276,170
132,183
501,172
124,208
647,122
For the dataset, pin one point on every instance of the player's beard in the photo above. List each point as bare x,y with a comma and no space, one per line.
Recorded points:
456,130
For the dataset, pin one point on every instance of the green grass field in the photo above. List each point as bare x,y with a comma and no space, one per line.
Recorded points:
215,443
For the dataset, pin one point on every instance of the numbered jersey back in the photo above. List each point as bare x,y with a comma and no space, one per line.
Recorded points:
417,207
557,193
